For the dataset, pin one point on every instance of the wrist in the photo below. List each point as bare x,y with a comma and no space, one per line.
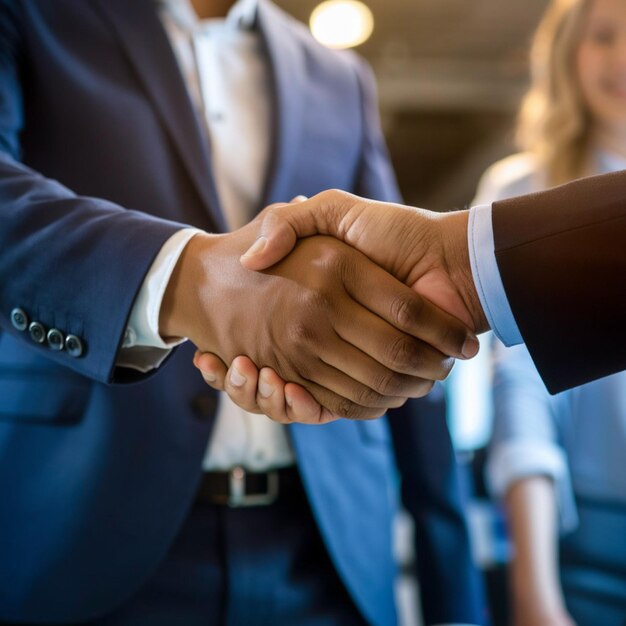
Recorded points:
530,587
181,304
529,614
453,232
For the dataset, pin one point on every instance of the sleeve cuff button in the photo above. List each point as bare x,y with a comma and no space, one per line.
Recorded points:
74,346
56,340
19,319
37,332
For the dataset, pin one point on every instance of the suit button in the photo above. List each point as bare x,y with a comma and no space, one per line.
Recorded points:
204,406
55,339
37,332
19,319
74,346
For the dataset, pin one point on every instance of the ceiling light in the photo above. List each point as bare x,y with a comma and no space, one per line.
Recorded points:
342,23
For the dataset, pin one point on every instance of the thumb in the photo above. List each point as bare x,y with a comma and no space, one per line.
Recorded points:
437,287
281,226
275,241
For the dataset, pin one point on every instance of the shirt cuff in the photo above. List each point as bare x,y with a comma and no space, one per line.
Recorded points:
143,347
487,276
514,460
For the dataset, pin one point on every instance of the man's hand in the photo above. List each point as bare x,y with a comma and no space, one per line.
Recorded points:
262,391
425,250
326,317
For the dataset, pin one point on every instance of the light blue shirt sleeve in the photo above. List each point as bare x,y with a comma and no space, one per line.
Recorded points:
530,431
487,276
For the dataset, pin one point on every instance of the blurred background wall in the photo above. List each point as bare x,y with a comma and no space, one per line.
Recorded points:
450,76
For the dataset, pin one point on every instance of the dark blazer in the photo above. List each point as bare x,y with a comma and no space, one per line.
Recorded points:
562,258
102,159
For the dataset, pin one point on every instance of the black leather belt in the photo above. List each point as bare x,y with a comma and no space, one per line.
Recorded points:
241,488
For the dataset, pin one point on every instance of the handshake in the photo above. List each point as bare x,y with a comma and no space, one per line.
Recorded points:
358,304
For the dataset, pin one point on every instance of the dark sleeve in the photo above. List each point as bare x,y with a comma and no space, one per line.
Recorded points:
73,263
450,585
562,257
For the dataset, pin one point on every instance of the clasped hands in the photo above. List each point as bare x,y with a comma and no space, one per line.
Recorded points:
359,305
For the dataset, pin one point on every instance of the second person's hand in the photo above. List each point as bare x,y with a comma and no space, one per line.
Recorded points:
410,243
427,251
325,317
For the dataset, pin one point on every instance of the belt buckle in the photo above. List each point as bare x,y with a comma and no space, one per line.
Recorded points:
238,497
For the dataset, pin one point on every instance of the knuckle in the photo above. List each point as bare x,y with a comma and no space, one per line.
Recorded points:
405,309
366,397
343,407
273,208
402,353
334,195
388,383
314,302
348,409
301,332
333,259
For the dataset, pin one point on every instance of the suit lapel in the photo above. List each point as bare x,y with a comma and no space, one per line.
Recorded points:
288,73
148,49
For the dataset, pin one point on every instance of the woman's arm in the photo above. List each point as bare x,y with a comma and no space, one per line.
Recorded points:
536,596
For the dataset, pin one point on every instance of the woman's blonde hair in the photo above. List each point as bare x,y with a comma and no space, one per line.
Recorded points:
554,122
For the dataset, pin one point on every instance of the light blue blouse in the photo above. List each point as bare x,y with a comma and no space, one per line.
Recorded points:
578,437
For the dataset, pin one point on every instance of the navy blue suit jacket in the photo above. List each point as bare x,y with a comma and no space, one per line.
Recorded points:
102,159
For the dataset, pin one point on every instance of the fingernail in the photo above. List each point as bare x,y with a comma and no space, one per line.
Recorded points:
470,347
237,379
265,389
208,377
257,247
289,401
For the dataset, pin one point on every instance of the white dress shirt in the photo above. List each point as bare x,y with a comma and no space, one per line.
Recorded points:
486,276
227,76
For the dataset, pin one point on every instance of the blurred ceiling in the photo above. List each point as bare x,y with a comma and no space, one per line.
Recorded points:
446,53
450,77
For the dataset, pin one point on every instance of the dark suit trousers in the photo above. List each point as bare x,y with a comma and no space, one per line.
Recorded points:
243,567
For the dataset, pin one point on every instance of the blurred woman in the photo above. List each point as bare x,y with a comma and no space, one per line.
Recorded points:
559,461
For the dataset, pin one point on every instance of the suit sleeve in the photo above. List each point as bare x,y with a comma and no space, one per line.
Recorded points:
562,258
450,586
69,262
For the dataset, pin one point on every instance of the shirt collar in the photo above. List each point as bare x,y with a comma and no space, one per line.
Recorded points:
242,14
